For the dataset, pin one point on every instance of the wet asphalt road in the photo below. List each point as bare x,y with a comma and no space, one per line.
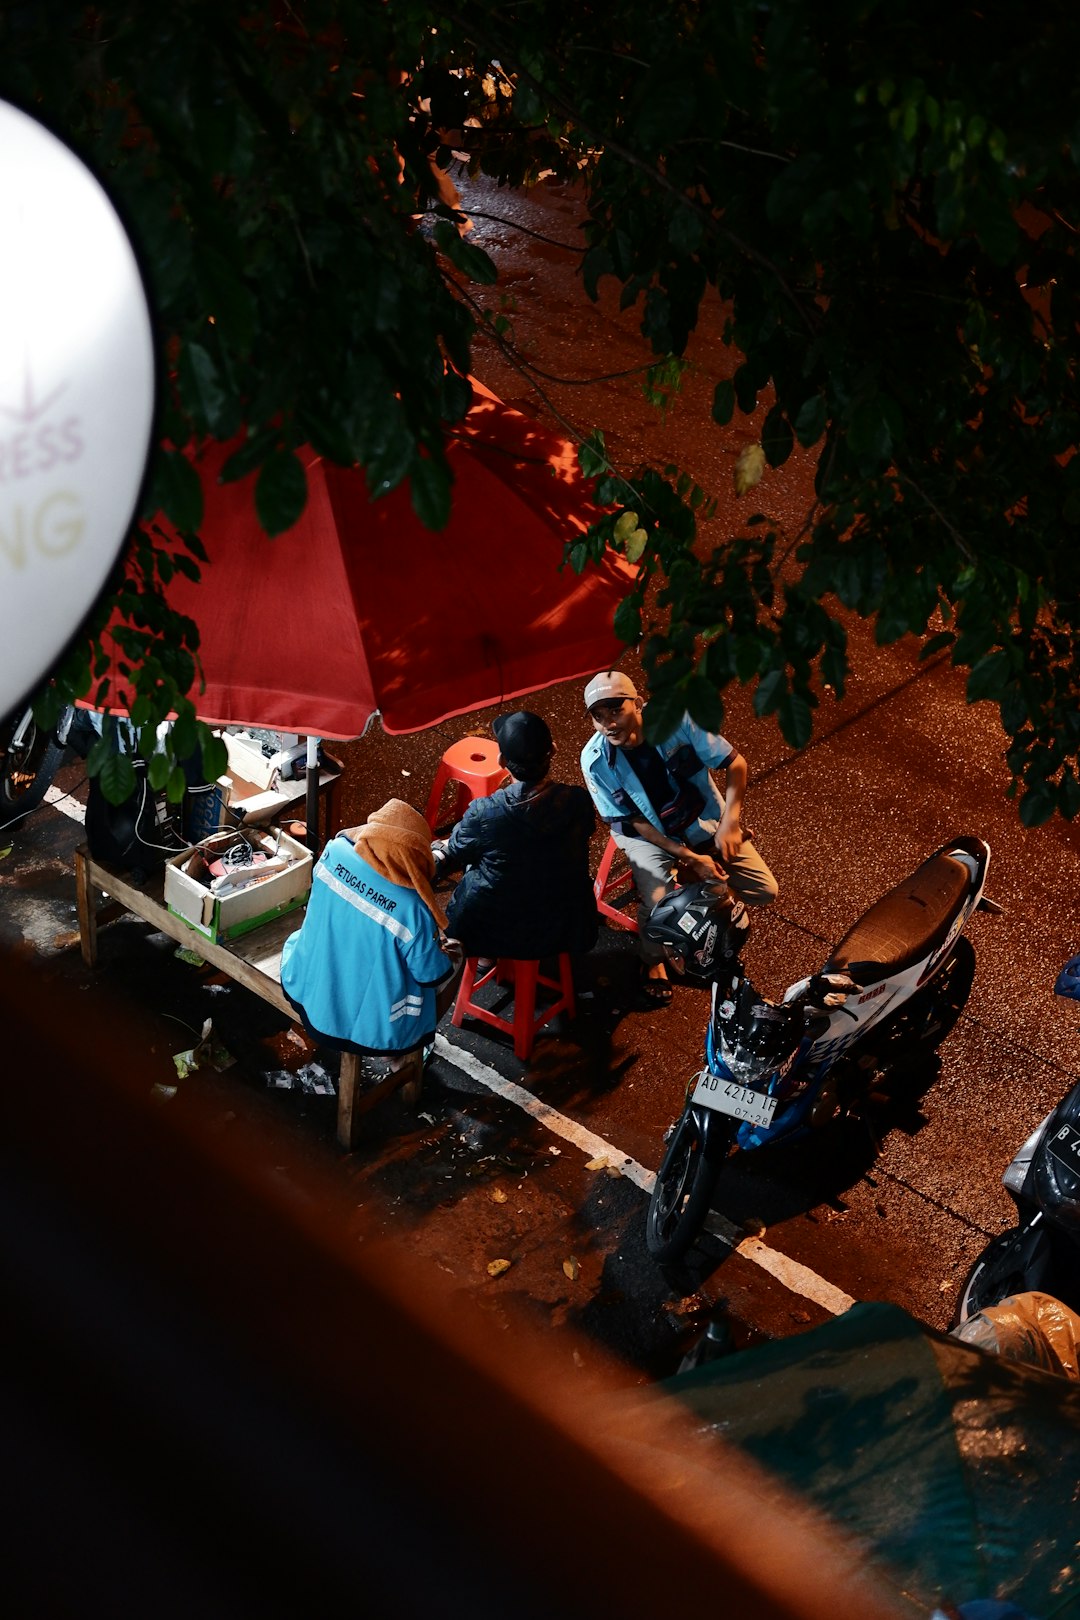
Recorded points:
894,1209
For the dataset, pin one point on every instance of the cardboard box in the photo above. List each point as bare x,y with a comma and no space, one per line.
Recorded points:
227,916
258,805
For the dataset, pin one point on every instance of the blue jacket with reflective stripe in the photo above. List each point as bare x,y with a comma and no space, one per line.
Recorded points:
689,754
365,961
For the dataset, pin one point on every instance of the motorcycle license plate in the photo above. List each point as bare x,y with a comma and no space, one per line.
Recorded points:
713,1091
1064,1146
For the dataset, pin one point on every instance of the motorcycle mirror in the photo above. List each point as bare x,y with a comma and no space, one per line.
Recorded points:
1067,982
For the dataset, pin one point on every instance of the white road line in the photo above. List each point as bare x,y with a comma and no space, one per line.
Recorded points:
798,1279
65,803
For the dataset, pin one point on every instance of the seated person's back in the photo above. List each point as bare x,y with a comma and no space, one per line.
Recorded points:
527,891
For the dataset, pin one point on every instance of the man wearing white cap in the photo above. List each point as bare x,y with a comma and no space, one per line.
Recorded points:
664,808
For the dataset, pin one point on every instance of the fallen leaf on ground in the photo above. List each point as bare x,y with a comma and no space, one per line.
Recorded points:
498,1196
185,1062
749,468
497,1267
597,1164
571,1268
182,954
6,851
691,1305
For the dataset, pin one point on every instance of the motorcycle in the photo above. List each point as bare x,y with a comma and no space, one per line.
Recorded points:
30,756
890,990
1041,1253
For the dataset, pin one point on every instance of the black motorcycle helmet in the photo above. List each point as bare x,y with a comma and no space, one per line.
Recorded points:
703,925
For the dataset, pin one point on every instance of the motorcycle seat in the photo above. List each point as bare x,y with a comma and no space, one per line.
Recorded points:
904,925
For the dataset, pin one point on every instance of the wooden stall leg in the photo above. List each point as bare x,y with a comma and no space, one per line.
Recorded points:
84,902
348,1093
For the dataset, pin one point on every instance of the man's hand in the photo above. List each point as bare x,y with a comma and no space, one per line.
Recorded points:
728,838
698,868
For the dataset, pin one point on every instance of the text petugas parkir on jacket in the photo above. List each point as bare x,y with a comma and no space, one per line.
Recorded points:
363,969
688,754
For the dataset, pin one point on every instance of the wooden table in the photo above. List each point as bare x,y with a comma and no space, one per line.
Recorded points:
253,960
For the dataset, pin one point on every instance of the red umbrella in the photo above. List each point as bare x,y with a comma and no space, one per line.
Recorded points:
359,609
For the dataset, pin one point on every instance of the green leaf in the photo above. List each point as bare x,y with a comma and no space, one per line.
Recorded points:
176,786
596,263
430,491
944,638
1038,805
1015,709
592,455
748,651
811,420
158,767
249,456
177,490
703,703
663,712
215,756
226,298
796,719
472,261
628,620
204,392
769,691
869,439
776,437
686,230
723,402
280,491
635,545
988,678
117,777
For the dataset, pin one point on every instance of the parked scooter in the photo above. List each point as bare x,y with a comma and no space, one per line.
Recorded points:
30,756
1042,1252
891,989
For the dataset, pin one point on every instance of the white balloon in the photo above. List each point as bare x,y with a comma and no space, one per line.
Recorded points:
76,396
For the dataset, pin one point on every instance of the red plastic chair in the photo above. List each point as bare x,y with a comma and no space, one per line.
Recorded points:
473,763
606,885
525,978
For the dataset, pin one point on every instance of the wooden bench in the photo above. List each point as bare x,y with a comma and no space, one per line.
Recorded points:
253,960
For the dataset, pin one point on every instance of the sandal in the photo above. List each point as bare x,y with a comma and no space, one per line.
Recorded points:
654,992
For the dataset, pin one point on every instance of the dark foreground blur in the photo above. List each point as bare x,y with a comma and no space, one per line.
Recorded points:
212,1406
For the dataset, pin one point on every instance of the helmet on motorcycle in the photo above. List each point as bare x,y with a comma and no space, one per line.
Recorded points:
702,924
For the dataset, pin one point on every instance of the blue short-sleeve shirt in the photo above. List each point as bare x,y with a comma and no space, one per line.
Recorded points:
689,755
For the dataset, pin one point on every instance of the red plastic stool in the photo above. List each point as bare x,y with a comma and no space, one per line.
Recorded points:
605,885
525,978
473,763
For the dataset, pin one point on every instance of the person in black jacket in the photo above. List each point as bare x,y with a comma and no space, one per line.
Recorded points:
526,892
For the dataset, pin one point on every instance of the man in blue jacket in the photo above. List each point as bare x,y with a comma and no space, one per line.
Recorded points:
370,970
665,811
